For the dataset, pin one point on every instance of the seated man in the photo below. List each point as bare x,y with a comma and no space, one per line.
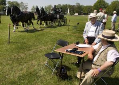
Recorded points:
105,54
92,29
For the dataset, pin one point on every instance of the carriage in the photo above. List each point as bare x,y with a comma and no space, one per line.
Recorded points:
50,18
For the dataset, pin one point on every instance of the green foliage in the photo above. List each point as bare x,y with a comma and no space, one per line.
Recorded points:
11,3
2,5
48,8
33,9
114,6
23,6
78,8
100,4
87,9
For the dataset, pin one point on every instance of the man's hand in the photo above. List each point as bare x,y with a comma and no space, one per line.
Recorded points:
95,72
86,41
93,43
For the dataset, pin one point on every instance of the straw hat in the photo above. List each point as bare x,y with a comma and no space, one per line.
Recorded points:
92,15
114,12
109,35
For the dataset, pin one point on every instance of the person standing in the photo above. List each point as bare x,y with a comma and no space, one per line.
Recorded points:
105,19
113,20
92,29
95,11
100,16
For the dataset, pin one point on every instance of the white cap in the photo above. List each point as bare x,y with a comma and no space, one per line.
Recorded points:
92,15
114,12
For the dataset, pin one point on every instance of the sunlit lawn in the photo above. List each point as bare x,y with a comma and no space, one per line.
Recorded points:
22,61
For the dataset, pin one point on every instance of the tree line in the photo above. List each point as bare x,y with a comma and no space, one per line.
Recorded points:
77,8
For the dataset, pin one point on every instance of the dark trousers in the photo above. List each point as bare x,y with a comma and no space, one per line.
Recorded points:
90,41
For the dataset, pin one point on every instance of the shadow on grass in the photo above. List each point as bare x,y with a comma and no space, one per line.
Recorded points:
32,30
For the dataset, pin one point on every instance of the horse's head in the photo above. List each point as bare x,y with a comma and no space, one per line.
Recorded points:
8,11
37,11
15,10
42,11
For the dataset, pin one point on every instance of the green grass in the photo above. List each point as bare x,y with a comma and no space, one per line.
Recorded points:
22,61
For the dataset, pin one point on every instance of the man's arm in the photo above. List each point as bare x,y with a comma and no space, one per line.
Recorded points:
85,33
90,54
103,67
106,65
101,28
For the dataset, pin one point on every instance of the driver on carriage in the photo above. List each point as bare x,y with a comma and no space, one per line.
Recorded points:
54,10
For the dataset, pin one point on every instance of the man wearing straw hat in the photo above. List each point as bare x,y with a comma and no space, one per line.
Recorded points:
92,29
105,54
113,20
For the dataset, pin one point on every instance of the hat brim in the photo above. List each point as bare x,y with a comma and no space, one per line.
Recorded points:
115,39
92,17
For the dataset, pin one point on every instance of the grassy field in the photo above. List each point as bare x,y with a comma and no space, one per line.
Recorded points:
22,61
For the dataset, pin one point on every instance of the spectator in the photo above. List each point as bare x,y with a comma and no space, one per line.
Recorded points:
95,11
105,19
92,29
113,20
105,55
100,15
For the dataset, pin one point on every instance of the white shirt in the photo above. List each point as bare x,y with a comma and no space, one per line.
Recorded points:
111,55
100,16
105,20
91,32
114,18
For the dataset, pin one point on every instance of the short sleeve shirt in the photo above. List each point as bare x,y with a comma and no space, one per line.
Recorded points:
111,55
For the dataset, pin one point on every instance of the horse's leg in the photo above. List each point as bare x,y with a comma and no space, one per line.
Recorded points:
33,25
44,24
14,27
40,23
27,25
37,21
24,26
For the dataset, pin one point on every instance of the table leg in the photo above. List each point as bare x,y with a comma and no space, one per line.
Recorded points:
61,54
81,68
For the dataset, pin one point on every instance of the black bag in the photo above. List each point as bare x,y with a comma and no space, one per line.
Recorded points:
62,73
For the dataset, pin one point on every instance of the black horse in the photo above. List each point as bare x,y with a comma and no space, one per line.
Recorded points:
17,16
43,16
12,17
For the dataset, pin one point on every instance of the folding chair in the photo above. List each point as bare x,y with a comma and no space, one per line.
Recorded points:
53,56
94,83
